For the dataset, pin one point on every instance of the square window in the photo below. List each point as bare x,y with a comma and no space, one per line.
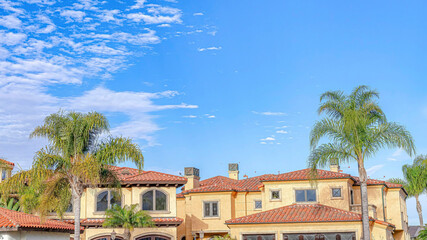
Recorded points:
275,195
308,195
336,192
211,209
258,204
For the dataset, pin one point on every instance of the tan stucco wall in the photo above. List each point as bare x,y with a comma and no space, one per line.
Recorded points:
137,232
379,232
131,195
323,191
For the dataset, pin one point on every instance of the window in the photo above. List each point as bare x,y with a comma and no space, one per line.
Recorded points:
70,208
319,236
275,195
3,174
351,197
336,192
154,200
210,209
258,204
106,199
308,195
259,237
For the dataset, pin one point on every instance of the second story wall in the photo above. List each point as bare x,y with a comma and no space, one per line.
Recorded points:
287,191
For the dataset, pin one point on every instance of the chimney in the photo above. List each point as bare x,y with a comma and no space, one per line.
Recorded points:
334,167
192,175
233,171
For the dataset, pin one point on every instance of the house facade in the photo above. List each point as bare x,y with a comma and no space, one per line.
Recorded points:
289,206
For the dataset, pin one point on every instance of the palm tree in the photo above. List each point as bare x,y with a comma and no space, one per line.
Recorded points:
357,128
11,204
127,217
414,182
74,159
422,235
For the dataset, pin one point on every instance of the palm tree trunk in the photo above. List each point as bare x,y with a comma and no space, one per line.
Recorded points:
127,234
364,198
419,210
76,193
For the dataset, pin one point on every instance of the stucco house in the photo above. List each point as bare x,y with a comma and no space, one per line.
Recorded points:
21,226
289,206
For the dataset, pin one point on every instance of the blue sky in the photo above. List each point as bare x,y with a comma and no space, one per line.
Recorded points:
206,83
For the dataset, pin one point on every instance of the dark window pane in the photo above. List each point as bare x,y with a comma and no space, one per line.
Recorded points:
300,195
147,201
207,210
70,208
338,237
311,195
336,192
102,201
275,195
115,199
160,238
215,209
258,204
3,174
160,201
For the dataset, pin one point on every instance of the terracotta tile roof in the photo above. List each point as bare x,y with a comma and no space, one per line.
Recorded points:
304,174
301,213
378,182
100,221
132,175
225,184
180,195
14,220
6,162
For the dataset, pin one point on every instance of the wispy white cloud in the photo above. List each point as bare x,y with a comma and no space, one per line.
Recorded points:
198,14
10,21
73,15
190,116
270,113
209,49
374,169
268,139
398,155
139,4
281,131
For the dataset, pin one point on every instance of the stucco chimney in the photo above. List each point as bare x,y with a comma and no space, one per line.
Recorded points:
334,167
193,178
233,171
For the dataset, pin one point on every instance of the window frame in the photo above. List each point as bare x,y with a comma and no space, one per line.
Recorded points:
271,195
154,200
341,192
108,200
255,201
218,209
305,195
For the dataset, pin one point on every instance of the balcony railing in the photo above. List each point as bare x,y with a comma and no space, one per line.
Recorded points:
358,208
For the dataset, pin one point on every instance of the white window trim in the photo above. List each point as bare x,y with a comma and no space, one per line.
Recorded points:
332,195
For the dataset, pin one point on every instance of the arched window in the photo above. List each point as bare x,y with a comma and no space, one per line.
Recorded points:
154,200
106,199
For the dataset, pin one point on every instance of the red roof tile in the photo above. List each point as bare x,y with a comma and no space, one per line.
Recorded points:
378,182
132,175
304,174
6,162
298,213
225,184
14,220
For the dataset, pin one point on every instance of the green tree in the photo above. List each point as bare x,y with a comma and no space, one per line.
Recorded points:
11,204
127,217
74,159
356,128
422,235
415,182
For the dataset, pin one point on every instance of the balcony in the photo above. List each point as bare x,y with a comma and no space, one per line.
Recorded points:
358,209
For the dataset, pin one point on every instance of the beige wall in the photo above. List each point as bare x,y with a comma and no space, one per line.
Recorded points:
131,195
137,232
379,232
323,191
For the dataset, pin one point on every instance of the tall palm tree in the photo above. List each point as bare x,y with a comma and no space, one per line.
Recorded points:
356,128
414,182
74,159
127,217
